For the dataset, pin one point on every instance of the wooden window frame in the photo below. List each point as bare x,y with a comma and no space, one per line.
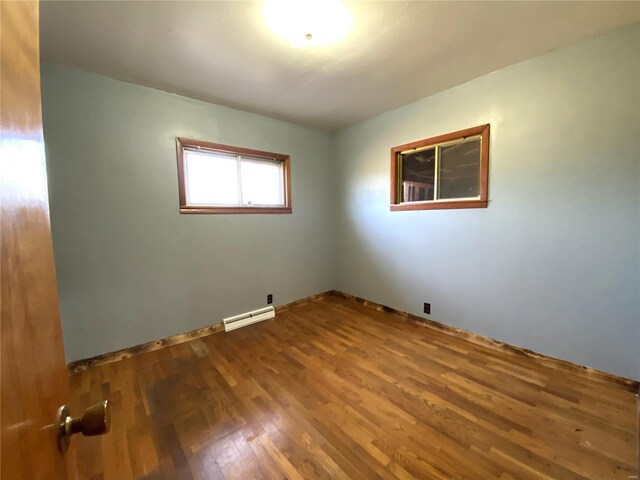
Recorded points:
182,143
481,202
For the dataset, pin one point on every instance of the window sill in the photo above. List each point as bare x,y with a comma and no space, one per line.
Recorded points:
228,210
438,205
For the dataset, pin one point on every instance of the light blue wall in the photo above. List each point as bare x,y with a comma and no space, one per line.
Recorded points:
554,263
132,269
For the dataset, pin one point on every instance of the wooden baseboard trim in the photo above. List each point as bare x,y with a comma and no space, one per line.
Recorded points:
304,301
80,365
627,383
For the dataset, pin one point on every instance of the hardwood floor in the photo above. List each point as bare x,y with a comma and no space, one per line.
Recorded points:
334,389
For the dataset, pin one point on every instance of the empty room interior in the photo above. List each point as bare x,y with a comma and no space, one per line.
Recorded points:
321,239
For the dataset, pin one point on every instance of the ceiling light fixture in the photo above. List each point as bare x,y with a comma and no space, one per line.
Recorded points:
308,22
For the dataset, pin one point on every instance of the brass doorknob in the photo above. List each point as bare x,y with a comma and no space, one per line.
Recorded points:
96,420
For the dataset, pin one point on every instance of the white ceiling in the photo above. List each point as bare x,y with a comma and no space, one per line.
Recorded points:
397,52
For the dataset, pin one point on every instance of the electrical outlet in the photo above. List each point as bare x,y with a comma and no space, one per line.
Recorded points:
270,298
427,308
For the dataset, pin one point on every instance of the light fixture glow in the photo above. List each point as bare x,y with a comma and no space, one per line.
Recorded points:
308,22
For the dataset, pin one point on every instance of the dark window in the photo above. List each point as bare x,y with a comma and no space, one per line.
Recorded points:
448,171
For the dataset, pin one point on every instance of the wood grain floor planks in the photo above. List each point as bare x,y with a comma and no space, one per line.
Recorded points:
333,389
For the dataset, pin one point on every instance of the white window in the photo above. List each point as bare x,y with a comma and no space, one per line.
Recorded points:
217,178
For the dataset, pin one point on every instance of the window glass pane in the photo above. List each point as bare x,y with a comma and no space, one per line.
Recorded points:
211,178
418,171
262,182
460,170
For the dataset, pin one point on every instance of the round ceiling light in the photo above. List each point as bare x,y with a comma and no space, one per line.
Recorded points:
308,22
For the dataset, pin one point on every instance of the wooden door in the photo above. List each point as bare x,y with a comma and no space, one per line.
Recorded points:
34,378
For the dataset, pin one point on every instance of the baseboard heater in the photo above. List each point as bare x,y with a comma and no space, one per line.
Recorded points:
248,318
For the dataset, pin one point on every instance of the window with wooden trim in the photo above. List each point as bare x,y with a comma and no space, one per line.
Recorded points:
447,171
214,178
